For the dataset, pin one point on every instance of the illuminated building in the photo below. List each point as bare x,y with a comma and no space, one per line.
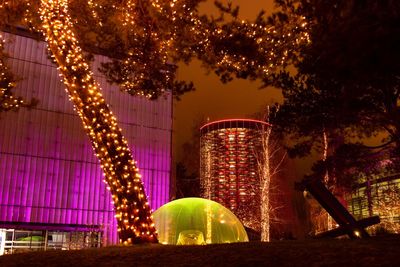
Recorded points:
378,197
51,184
230,152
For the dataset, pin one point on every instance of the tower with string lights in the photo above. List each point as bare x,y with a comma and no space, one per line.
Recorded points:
230,156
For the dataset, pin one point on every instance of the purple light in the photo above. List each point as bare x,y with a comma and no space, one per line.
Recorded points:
48,171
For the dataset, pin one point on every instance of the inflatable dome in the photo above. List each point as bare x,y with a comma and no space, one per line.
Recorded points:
197,221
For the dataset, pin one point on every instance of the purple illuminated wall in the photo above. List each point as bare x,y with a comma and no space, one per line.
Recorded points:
48,171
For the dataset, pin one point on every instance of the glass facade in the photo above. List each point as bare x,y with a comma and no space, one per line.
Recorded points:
17,241
48,171
378,197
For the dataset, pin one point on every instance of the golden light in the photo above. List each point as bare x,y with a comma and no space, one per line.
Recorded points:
101,126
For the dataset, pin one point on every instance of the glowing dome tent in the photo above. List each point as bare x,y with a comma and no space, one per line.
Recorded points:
197,221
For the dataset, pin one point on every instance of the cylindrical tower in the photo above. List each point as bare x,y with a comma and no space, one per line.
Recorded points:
231,152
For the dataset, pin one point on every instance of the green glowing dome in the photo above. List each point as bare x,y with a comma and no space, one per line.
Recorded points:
197,221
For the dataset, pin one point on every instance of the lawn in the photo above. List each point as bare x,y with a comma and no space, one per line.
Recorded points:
375,251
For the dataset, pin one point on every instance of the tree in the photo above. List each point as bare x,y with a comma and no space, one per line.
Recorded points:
346,84
133,211
388,207
340,76
269,165
143,38
256,49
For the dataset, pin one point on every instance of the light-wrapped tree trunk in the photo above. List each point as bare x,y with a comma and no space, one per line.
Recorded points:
135,224
265,182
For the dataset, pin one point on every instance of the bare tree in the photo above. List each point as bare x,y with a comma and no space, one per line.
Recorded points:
269,163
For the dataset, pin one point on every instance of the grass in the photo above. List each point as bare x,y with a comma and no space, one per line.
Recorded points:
376,251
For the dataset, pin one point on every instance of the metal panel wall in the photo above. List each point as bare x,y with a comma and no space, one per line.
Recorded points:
48,171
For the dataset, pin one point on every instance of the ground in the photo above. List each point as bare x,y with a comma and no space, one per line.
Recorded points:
376,251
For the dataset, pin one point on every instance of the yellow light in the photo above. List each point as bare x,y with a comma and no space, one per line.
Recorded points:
98,121
357,233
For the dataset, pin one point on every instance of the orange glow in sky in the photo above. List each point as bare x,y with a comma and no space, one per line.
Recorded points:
213,99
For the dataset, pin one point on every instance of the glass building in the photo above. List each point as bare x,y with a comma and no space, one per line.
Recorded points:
378,197
52,194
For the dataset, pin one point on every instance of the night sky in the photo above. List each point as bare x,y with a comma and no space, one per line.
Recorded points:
213,99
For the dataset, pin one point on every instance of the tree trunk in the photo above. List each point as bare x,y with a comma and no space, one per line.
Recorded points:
135,224
265,185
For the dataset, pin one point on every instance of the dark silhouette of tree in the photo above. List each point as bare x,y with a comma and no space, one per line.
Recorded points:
187,181
188,167
345,83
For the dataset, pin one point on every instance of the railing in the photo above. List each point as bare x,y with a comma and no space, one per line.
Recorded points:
49,241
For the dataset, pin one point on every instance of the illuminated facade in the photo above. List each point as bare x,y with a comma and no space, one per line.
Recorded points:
375,197
230,152
51,183
378,197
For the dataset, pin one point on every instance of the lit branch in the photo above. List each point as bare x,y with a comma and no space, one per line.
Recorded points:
267,171
387,206
330,222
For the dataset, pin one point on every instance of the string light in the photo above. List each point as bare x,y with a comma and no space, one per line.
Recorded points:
149,37
387,206
329,181
154,35
230,168
133,213
265,183
159,32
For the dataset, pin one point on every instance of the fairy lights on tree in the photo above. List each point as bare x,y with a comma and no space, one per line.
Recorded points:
149,38
320,218
270,161
387,205
140,38
122,175
144,41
